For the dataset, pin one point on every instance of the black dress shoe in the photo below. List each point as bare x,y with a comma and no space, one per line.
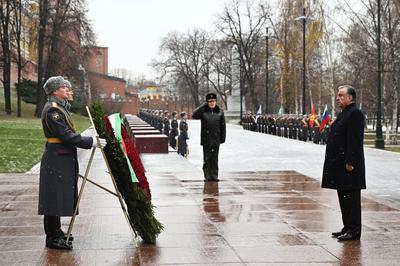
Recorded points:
58,243
64,235
349,236
336,234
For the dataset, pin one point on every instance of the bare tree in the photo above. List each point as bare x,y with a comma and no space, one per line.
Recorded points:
361,53
186,59
6,10
19,6
219,71
243,23
123,73
64,31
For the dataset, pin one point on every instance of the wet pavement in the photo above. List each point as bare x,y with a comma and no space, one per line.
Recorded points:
249,218
253,217
245,150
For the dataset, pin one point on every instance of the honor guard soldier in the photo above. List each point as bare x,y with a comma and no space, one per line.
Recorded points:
316,132
304,128
167,126
213,133
174,131
59,166
183,135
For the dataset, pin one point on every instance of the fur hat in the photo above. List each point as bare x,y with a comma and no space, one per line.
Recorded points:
211,96
68,84
53,84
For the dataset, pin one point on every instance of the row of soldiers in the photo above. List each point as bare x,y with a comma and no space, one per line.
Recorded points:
168,125
289,126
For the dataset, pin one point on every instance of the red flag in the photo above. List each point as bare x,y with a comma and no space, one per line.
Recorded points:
312,117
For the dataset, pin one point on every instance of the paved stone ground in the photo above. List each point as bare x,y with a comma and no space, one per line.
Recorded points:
246,150
261,213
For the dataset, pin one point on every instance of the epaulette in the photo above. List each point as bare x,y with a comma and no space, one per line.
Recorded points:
68,119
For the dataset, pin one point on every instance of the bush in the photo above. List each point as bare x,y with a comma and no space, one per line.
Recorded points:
27,90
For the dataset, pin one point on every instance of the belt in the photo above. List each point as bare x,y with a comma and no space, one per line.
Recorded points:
54,140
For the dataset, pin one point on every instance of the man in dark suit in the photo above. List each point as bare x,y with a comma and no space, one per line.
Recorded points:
344,167
213,132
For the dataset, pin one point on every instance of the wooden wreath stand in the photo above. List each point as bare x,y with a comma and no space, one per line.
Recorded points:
87,179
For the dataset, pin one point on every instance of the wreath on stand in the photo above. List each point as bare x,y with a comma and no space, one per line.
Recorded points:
128,172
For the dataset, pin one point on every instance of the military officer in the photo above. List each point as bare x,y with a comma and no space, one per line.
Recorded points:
213,133
59,166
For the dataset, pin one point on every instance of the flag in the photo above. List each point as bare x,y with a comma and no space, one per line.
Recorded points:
259,112
325,119
312,116
280,111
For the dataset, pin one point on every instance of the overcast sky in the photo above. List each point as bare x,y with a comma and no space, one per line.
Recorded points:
132,29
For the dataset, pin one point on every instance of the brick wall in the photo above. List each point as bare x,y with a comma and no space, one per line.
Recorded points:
98,60
106,85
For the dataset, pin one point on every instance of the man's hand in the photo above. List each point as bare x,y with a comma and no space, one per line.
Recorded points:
349,167
99,144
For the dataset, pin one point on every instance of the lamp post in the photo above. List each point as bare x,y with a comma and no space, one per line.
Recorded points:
241,92
304,18
266,70
379,142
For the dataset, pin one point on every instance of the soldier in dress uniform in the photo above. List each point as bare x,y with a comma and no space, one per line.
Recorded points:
167,126
259,123
304,128
59,166
316,132
183,135
213,133
271,125
253,122
174,131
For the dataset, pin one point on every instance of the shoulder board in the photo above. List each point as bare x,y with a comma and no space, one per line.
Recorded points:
68,119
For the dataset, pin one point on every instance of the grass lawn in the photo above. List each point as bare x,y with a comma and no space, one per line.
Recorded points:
22,140
395,149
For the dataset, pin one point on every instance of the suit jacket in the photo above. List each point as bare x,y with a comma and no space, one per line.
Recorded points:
345,146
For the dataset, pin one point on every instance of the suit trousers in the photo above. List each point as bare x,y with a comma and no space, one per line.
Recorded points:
52,226
210,162
350,206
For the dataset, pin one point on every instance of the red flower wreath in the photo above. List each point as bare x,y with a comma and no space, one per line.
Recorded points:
133,157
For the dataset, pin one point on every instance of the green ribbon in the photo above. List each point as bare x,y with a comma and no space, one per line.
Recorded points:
118,136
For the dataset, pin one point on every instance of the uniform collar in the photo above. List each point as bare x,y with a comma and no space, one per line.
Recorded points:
216,109
61,102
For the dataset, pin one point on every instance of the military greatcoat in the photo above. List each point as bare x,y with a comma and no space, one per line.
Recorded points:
59,166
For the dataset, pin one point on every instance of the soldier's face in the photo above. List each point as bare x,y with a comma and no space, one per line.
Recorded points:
70,95
343,99
62,93
212,103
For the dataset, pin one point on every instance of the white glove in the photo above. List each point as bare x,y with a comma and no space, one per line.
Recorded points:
99,144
